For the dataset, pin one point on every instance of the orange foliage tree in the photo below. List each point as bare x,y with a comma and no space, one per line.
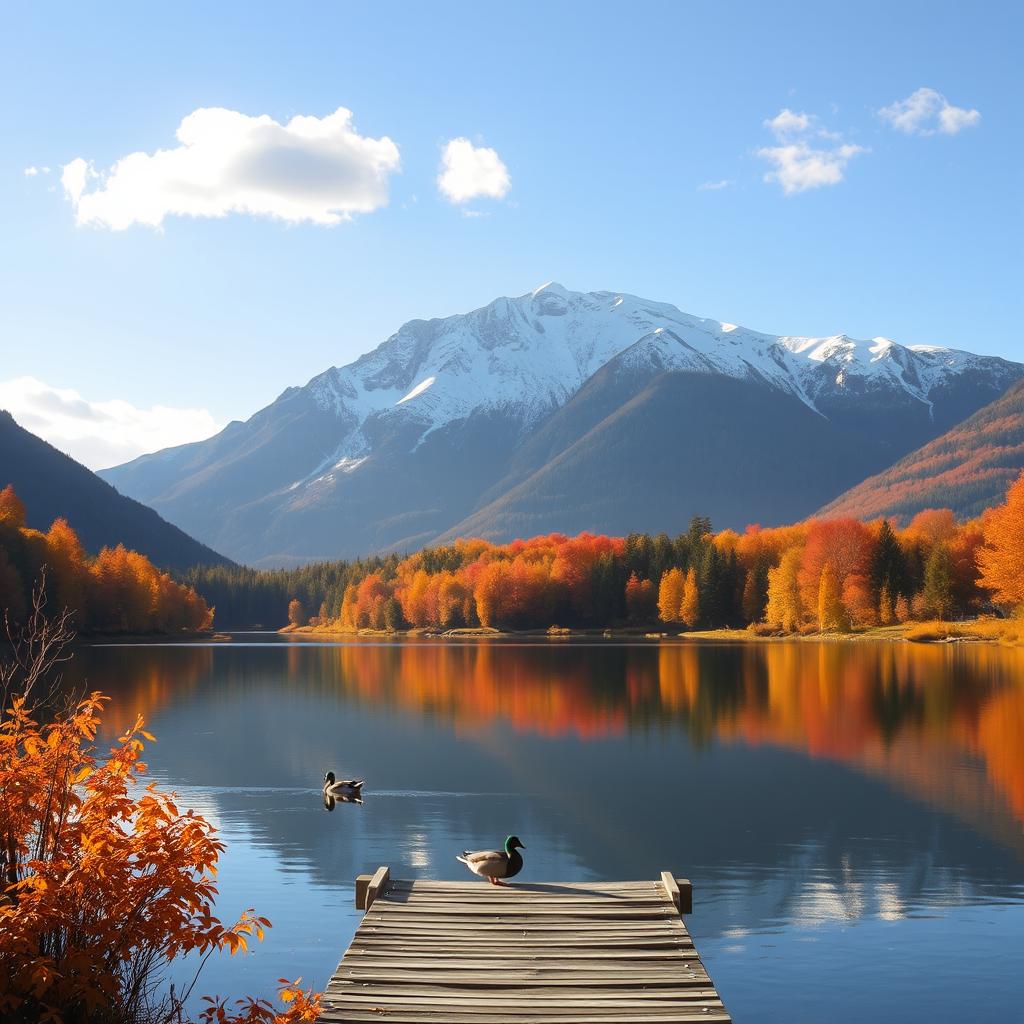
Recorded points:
117,591
1002,557
102,882
641,603
721,579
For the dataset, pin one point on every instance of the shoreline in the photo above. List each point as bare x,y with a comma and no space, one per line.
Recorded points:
1000,632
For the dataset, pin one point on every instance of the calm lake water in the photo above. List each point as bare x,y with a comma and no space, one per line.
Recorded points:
851,816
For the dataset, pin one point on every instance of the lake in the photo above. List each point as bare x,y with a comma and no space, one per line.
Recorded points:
851,815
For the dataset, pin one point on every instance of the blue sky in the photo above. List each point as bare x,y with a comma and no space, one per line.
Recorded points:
607,118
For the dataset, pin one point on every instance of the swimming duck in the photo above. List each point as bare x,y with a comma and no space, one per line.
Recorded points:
342,788
494,865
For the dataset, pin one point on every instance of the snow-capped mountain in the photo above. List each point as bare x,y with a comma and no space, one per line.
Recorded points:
442,428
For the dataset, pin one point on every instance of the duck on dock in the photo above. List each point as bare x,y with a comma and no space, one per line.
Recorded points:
494,865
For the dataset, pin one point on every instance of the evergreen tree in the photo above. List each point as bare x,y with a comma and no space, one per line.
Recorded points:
938,583
889,571
755,591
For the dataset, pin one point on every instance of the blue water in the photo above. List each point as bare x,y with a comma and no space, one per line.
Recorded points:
850,815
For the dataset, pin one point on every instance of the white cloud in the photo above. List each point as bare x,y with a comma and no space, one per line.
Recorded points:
31,172
804,159
787,123
799,166
100,434
469,171
714,186
927,112
312,169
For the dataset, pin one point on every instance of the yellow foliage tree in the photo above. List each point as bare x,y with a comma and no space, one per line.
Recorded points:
784,608
670,595
296,612
831,611
689,605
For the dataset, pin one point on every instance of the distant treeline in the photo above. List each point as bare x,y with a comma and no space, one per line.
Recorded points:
118,591
822,574
247,598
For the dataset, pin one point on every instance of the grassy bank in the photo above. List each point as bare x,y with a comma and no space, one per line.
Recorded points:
1008,632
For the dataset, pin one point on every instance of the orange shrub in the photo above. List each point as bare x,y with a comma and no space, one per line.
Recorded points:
99,887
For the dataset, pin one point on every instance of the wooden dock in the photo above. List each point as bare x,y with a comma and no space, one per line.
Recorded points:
528,953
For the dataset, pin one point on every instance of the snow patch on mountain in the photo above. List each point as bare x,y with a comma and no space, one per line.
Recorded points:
524,357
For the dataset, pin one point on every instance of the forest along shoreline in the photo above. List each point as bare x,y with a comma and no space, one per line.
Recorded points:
932,580
985,631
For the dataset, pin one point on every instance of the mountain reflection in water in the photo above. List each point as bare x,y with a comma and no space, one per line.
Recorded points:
804,787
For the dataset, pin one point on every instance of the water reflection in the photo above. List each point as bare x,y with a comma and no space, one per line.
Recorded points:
805,788
915,716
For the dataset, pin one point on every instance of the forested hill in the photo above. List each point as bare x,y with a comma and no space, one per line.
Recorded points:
966,469
258,598
52,485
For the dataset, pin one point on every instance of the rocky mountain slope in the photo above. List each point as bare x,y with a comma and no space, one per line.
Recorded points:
967,469
559,410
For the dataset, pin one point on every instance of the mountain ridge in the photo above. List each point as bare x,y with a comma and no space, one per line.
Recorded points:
967,469
52,484
369,447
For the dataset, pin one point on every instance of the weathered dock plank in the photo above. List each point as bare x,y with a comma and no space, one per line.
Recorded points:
472,953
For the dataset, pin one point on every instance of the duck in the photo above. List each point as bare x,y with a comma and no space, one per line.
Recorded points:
494,865
342,789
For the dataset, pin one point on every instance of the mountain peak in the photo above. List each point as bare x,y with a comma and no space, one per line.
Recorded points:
447,414
551,288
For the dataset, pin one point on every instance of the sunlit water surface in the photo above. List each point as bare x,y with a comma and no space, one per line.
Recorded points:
850,815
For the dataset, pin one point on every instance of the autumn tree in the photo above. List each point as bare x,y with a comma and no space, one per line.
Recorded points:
12,509
689,603
846,543
103,881
670,595
831,611
931,526
69,570
296,613
1002,557
641,603
784,608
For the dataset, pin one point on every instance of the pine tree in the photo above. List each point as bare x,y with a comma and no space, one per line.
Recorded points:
755,591
938,583
889,572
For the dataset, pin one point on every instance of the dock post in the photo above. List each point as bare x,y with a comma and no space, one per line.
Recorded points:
680,891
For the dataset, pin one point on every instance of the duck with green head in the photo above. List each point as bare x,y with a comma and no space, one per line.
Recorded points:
495,865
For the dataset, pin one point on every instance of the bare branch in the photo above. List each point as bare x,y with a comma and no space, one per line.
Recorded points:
37,648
